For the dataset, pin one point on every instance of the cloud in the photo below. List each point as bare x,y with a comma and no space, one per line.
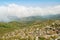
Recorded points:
24,11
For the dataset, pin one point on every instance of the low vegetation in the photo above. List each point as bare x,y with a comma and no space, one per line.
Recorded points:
36,30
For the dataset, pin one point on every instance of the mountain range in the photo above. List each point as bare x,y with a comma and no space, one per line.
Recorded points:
34,18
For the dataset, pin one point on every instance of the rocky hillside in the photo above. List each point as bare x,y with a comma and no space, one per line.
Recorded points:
47,30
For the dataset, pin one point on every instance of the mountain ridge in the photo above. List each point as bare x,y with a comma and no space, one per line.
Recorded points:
41,18
34,18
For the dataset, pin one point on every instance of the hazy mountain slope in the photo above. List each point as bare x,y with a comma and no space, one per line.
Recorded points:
57,16
34,18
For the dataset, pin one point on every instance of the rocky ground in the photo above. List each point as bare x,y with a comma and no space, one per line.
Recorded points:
35,32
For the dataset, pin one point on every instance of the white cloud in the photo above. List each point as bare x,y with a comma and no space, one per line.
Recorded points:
23,11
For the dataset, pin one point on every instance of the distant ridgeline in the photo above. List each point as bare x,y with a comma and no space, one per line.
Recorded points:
31,18
35,18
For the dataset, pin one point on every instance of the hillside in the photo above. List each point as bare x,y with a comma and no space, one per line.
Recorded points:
41,18
44,30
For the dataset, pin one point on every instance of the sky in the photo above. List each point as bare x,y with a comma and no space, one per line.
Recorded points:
25,8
